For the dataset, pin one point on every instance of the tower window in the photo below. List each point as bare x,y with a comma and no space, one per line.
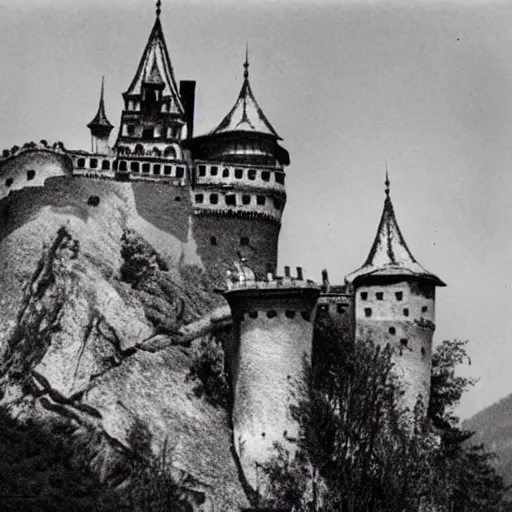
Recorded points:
225,173
31,174
305,315
167,170
422,351
399,295
271,314
105,165
364,295
130,129
290,314
278,203
214,170
340,308
424,309
214,198
8,182
379,296
261,200
145,168
177,199
244,240
279,178
157,168
392,330
404,342
81,163
231,200
93,163
180,172
147,133
199,198
368,312
135,167
265,176
239,174
213,240
251,174
253,314
406,311
246,199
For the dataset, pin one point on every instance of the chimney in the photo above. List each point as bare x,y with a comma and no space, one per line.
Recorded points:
325,281
188,98
300,275
287,271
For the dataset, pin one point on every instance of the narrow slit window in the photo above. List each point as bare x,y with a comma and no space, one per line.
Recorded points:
180,172
213,240
406,311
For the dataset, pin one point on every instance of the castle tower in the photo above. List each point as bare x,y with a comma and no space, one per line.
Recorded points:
100,127
395,304
239,186
273,322
153,118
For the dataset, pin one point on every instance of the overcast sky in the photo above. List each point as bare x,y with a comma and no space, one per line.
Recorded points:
346,84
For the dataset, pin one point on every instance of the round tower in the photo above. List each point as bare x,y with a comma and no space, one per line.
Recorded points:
239,187
395,305
273,322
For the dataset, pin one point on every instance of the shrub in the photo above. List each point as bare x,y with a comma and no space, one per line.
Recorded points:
208,371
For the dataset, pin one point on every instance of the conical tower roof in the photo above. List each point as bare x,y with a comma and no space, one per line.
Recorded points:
155,67
100,120
246,115
389,255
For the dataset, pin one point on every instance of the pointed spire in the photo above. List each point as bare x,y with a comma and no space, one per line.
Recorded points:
155,64
389,254
158,8
387,182
246,115
100,120
246,63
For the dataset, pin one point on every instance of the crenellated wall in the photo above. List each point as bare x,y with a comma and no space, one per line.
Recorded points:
274,330
401,314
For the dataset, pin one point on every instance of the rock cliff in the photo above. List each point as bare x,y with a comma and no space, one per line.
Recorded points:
99,330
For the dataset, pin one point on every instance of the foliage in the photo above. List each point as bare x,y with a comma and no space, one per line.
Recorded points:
152,487
140,260
37,472
208,371
364,453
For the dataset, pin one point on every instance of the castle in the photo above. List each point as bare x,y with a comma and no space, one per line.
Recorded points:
226,190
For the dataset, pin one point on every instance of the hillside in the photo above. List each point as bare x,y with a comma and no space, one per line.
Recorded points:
100,319
493,427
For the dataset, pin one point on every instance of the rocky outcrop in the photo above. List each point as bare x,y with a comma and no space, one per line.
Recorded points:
77,344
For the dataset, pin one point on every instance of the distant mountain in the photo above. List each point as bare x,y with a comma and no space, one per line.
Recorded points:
493,427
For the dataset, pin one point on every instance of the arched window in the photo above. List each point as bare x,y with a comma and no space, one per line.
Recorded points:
139,149
170,152
156,151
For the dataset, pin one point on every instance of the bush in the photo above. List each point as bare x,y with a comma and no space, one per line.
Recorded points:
208,371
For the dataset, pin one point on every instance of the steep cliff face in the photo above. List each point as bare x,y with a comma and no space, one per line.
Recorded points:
98,329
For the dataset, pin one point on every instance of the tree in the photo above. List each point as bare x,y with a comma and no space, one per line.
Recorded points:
362,452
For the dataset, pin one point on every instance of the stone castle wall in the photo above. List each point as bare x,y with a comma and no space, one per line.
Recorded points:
273,340
401,315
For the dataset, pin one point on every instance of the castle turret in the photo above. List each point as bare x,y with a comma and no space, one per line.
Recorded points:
273,335
153,117
239,185
395,304
100,127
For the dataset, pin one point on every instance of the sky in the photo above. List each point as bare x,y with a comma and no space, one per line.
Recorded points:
425,85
